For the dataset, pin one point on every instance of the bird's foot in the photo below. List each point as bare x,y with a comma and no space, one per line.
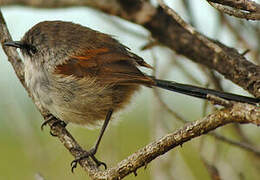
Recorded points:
87,154
55,123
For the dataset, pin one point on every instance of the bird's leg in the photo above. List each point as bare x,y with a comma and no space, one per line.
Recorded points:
91,153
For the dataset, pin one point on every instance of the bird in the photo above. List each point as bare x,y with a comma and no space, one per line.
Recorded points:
83,76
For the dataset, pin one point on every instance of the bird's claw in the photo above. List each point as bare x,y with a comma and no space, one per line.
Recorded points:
49,119
87,154
55,123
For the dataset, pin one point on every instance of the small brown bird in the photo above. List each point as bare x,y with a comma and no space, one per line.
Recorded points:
81,75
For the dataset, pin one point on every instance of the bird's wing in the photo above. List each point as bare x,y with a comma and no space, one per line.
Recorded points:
107,66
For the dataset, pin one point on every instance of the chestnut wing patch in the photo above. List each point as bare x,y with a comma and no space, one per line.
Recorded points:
90,56
106,66
81,65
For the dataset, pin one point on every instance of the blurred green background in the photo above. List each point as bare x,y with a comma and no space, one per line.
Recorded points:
25,150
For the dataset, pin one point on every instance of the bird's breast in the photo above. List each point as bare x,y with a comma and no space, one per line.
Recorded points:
38,83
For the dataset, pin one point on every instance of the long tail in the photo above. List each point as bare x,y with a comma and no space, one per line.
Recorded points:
202,92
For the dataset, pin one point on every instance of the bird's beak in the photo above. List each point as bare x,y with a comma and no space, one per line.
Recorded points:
17,44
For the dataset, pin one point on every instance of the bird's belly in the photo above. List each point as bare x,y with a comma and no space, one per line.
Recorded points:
80,104
91,104
86,101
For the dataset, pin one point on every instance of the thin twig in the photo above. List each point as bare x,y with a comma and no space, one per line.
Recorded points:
237,144
246,5
236,12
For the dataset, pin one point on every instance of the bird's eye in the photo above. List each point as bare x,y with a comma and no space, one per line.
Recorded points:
31,49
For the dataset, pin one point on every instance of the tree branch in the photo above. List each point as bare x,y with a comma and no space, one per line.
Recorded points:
244,146
247,5
241,9
168,28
